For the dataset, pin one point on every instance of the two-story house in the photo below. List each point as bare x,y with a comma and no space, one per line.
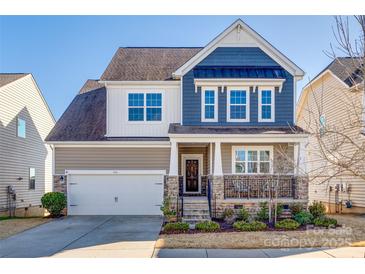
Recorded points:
331,109
216,121
25,159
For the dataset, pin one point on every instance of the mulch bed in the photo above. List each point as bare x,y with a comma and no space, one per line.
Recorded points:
350,233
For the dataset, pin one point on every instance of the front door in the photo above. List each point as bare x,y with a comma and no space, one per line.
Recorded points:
191,175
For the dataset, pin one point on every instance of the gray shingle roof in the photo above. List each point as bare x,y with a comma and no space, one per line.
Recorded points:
6,78
84,119
90,85
148,64
180,129
347,69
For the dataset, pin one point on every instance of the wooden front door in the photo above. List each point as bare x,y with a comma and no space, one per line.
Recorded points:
192,175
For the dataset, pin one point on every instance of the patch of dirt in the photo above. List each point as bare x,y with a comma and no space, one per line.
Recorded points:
357,224
9,227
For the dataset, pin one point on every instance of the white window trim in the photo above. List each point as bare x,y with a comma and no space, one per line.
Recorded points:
247,89
203,90
145,107
256,148
272,104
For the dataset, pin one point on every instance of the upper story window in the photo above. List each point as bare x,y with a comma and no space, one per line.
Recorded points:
251,160
21,128
144,107
210,104
266,105
238,108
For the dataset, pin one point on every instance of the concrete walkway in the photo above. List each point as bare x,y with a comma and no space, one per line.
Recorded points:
85,237
343,252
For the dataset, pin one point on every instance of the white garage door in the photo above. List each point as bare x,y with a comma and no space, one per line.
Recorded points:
121,193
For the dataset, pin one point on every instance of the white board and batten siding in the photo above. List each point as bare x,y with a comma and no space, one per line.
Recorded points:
117,111
22,99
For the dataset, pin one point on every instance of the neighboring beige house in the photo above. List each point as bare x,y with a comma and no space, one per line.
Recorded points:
25,160
334,100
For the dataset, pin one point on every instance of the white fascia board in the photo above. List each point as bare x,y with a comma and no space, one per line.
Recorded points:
238,138
306,89
136,144
262,43
116,172
174,83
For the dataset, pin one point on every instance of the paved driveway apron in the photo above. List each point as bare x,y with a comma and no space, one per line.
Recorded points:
86,237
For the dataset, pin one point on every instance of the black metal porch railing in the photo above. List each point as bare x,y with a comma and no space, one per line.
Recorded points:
259,186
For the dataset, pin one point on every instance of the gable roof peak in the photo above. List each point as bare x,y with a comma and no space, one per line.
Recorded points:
269,49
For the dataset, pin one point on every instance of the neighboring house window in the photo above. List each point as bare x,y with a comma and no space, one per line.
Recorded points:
144,107
252,160
322,125
21,127
210,104
31,178
266,105
238,104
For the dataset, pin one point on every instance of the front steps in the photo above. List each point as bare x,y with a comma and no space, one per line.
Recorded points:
196,209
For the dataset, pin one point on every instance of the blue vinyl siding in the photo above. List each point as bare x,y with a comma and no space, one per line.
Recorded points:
239,57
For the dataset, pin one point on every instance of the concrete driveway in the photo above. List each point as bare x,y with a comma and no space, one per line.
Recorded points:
85,237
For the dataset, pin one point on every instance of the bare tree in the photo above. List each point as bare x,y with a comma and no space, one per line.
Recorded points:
339,144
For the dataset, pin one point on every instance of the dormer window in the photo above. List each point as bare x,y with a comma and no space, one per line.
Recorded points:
238,107
209,104
266,104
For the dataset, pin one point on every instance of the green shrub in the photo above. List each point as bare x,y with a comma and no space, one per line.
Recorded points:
325,221
207,226
254,226
295,208
228,213
279,209
288,224
54,202
304,217
243,215
176,227
317,209
166,208
263,213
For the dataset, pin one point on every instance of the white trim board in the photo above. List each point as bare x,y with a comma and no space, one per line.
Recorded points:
101,144
114,172
239,25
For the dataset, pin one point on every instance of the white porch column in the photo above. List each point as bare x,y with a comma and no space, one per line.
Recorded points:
218,171
300,158
174,159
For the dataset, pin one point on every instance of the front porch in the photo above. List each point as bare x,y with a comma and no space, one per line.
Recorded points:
231,174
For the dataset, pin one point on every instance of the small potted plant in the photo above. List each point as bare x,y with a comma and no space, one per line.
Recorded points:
168,213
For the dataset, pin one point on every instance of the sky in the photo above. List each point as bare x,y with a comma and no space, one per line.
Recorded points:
62,52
